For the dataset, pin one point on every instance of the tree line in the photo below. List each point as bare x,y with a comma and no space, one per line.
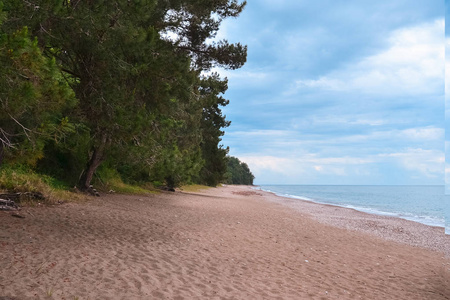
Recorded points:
123,86
238,172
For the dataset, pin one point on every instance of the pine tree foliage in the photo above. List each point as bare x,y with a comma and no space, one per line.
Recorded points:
238,172
33,99
116,83
213,122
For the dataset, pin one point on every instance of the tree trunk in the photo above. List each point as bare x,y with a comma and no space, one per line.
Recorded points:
2,152
92,165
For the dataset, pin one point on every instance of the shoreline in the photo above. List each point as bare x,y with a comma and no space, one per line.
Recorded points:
373,211
356,208
393,228
219,243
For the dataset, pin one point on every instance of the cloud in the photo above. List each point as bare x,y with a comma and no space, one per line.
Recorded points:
260,164
245,78
429,163
423,134
412,64
407,136
272,136
311,158
309,168
331,100
447,67
328,148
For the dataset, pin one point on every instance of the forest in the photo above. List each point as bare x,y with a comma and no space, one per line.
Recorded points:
97,90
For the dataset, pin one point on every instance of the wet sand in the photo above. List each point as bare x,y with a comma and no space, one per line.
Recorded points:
222,243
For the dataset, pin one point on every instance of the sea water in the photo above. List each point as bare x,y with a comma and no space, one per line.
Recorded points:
424,204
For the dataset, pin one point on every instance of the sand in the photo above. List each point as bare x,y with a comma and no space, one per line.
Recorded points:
222,243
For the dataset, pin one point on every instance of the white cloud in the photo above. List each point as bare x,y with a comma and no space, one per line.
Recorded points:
302,143
304,166
417,163
423,134
413,64
371,122
420,135
359,107
260,165
346,160
428,162
342,119
447,67
244,78
270,134
308,167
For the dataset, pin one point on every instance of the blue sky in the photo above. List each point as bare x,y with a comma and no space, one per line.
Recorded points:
446,206
339,92
447,102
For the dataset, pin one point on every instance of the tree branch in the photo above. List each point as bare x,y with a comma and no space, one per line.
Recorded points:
5,140
70,72
25,130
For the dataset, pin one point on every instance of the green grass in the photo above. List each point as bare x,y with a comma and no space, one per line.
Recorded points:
22,180
118,186
194,188
109,179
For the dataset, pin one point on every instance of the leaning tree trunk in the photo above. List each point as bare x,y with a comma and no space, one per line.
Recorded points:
2,153
98,154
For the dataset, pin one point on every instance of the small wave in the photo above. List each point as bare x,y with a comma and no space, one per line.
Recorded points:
297,197
286,195
427,220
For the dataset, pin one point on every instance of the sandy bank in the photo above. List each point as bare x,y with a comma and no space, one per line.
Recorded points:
391,228
224,243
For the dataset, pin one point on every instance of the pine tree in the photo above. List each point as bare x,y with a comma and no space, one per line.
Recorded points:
33,98
135,68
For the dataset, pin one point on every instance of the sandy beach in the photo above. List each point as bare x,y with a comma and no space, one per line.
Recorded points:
231,242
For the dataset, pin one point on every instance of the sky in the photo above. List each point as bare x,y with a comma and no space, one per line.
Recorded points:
339,92
447,103
446,206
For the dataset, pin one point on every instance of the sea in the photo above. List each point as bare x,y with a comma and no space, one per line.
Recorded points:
423,203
